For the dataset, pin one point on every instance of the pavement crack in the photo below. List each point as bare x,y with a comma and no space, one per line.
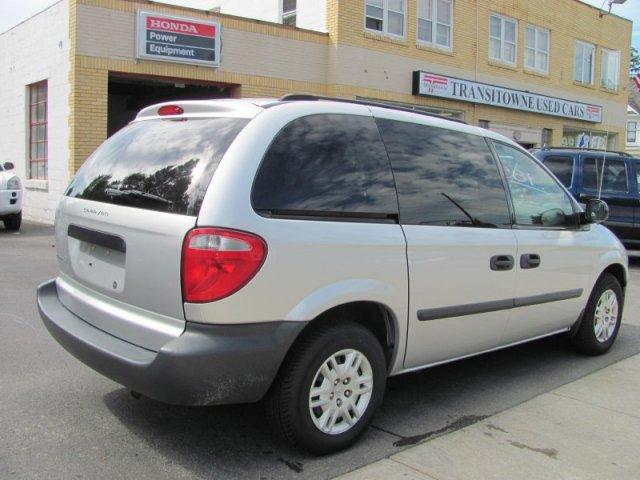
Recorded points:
386,431
293,465
549,452
457,424
491,426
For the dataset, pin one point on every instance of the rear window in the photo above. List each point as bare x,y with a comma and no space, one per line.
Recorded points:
327,165
609,174
162,165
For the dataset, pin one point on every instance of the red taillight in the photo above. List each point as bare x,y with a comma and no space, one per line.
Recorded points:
170,110
217,262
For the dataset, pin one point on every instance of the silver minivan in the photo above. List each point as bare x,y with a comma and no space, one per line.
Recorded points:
300,251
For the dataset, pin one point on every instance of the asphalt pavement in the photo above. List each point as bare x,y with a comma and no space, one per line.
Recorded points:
59,419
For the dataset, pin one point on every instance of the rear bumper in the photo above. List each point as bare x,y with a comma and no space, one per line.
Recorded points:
206,365
10,202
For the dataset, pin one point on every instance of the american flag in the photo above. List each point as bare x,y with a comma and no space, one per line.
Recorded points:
636,79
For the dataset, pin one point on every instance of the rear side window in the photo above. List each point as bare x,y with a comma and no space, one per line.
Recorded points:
326,165
561,167
444,177
162,165
612,174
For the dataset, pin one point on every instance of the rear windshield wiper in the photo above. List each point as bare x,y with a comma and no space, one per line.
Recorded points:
114,192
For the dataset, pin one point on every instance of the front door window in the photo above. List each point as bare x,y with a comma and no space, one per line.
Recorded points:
538,199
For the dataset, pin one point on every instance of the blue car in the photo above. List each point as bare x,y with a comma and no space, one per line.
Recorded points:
617,175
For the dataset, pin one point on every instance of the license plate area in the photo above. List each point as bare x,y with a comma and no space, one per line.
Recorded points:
97,258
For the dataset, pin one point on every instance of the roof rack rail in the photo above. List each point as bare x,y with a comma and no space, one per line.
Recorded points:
599,150
303,96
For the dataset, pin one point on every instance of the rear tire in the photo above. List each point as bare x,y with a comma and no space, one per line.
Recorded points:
345,365
13,222
602,317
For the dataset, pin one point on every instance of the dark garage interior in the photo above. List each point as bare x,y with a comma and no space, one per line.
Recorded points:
128,95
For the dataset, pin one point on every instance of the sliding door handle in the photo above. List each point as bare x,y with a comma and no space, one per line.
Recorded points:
501,263
529,260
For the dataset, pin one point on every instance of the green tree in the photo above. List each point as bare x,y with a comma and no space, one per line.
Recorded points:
634,67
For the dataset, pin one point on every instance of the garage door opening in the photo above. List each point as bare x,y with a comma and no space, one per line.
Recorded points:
128,95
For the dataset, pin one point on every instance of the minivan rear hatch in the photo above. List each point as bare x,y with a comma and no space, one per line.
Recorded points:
121,224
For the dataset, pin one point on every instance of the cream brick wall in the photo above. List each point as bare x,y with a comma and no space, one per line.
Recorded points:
108,33
30,52
376,66
265,59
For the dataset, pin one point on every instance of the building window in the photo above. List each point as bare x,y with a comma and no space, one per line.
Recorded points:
435,21
610,69
536,49
547,137
584,138
38,130
386,16
632,130
503,39
289,12
583,62
484,124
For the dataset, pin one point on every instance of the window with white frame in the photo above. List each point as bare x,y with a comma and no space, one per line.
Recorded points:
289,12
435,22
583,62
386,16
610,69
536,49
38,126
503,38
632,128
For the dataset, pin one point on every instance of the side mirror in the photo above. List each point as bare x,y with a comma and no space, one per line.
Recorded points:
8,166
596,211
552,218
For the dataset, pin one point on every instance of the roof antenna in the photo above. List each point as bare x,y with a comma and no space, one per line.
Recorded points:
604,160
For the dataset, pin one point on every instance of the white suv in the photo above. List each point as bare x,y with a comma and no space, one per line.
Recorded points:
10,197
301,250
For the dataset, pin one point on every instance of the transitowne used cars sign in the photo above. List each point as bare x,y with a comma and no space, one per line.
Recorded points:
177,39
434,85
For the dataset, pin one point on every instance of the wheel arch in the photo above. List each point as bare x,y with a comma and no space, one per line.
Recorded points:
618,271
375,316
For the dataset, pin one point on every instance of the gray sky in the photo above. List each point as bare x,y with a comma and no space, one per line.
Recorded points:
13,12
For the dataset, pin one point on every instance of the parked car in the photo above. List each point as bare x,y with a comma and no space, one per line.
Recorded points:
10,197
616,175
299,251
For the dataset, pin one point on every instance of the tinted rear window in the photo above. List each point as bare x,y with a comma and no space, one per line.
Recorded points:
561,167
163,165
323,164
444,177
614,179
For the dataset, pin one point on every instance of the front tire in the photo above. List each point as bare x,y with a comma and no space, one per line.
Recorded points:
329,387
602,317
13,222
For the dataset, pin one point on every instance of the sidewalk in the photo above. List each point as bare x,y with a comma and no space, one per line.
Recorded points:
587,429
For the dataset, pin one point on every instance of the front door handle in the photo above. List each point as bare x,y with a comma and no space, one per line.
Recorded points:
501,262
529,260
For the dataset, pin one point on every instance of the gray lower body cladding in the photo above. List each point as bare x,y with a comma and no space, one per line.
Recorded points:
206,365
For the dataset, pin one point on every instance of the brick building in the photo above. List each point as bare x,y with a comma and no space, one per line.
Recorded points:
546,72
